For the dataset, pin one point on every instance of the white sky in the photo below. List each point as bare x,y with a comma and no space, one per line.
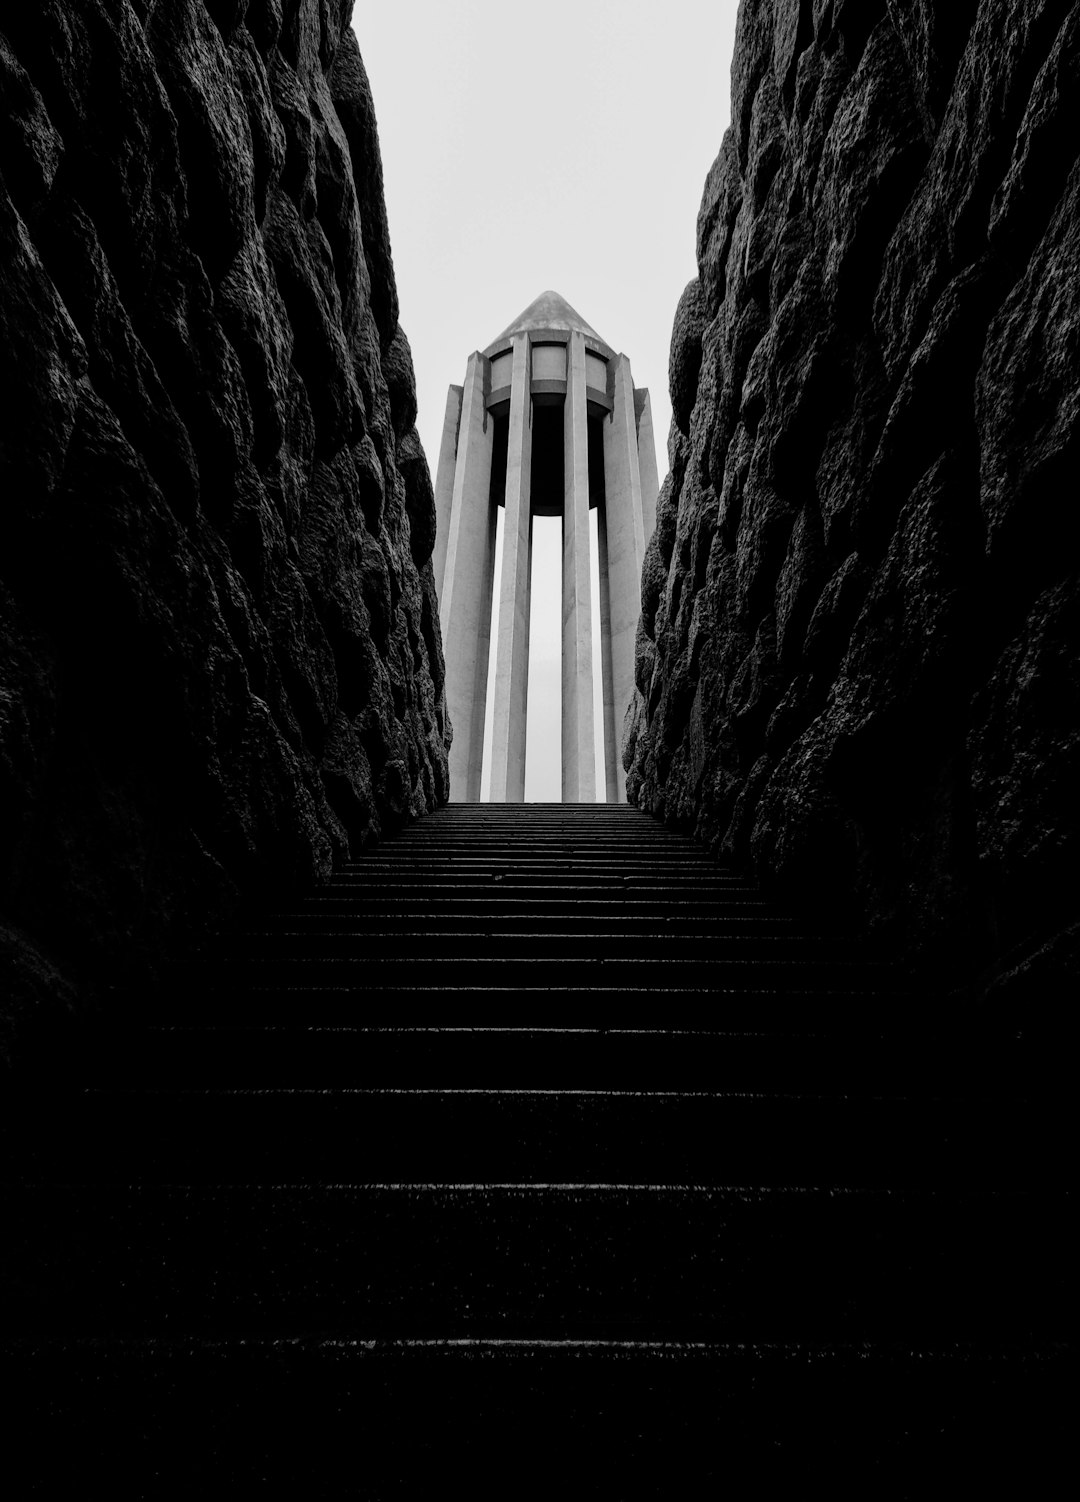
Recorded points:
559,145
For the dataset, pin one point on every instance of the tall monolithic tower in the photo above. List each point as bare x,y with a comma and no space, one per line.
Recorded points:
547,423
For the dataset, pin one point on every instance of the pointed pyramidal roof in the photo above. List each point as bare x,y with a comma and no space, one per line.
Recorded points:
549,311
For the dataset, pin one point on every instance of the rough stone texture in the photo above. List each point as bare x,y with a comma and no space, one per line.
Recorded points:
219,649
858,656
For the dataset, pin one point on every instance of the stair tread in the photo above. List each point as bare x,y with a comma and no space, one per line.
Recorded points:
513,1258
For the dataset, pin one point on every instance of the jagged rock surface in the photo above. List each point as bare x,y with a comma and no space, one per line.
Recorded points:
219,650
857,653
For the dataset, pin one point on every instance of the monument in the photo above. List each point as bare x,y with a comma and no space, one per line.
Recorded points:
547,423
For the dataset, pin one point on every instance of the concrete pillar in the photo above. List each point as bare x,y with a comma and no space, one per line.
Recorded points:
444,482
465,601
625,548
612,731
515,588
578,750
650,479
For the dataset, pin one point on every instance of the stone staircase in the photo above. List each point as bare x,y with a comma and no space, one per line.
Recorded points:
536,1149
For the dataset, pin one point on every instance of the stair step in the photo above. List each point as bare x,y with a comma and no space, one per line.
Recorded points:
522,939
448,965
252,1056
461,999
558,1261
612,880
588,844
541,900
480,920
615,875
472,1134
623,1418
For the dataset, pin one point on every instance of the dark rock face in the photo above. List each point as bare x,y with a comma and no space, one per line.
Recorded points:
219,649
858,657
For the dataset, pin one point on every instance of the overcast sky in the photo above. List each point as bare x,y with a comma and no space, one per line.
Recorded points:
561,145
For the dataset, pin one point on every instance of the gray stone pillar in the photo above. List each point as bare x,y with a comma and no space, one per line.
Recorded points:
465,602
515,588
650,479
611,730
625,549
578,749
444,482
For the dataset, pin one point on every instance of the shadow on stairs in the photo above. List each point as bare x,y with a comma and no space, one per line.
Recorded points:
536,1149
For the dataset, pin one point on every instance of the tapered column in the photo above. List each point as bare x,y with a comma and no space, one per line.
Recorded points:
650,479
515,585
625,548
444,482
465,600
578,749
611,737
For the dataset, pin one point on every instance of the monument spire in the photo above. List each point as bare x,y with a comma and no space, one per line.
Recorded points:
547,422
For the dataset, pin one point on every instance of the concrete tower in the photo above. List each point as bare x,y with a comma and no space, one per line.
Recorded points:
547,423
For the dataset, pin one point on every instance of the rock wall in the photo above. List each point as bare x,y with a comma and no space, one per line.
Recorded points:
857,660
219,653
